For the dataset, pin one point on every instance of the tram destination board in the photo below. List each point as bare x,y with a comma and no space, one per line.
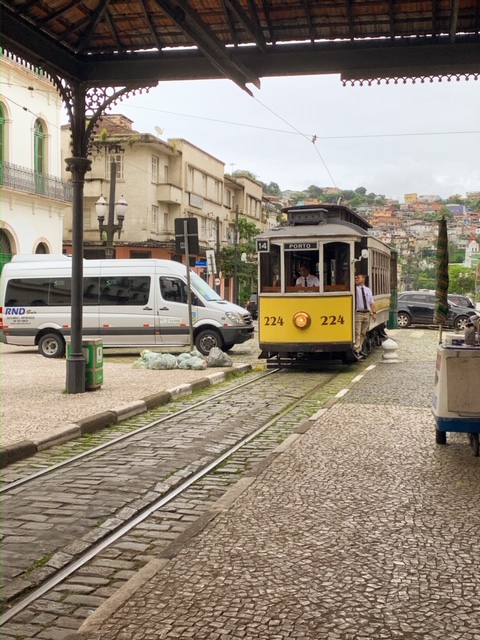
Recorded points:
300,246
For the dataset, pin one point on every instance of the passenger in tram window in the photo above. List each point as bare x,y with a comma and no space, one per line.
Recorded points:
306,279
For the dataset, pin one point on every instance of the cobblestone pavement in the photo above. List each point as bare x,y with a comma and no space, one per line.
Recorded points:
362,528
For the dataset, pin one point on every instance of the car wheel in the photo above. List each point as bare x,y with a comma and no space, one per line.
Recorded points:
52,345
229,346
403,320
460,322
206,340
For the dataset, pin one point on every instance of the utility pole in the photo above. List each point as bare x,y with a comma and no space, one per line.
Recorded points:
235,259
217,250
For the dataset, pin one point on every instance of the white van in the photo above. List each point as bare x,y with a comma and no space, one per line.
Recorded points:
126,303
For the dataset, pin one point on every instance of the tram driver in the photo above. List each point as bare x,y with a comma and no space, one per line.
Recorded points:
306,279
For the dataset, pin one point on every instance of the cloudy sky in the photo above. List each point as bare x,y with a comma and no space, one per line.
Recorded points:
390,139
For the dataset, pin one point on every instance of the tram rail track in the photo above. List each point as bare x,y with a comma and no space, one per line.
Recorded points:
9,486
186,477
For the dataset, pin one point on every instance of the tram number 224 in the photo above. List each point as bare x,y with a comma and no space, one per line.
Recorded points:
273,321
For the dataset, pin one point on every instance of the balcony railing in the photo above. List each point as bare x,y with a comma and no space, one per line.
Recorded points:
15,177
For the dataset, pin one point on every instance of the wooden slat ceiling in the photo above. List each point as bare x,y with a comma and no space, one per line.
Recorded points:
109,42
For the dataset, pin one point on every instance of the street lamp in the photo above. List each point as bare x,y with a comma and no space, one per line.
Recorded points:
112,207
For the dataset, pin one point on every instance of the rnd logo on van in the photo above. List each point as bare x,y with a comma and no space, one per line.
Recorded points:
15,311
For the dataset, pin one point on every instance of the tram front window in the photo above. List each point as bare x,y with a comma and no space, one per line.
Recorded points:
270,270
301,270
336,266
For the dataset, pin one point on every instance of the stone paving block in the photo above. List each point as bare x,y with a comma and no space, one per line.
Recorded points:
84,600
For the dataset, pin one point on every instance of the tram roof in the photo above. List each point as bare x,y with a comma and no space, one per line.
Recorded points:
324,213
335,228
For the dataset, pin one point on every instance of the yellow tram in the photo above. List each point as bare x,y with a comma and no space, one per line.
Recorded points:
299,321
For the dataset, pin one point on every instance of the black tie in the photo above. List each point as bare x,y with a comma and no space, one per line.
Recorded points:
306,282
365,307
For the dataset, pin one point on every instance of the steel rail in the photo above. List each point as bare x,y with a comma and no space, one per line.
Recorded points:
143,515
111,443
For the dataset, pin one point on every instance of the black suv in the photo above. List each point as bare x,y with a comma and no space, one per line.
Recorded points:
461,301
417,307
252,306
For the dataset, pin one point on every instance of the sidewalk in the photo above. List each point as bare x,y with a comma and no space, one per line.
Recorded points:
361,527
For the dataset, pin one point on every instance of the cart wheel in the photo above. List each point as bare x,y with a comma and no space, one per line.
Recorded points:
474,441
440,437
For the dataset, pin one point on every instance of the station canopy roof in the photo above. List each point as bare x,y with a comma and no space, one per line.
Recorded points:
110,43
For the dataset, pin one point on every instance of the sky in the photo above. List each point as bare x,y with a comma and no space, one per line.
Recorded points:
311,130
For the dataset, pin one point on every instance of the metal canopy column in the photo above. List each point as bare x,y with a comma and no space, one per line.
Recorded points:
85,106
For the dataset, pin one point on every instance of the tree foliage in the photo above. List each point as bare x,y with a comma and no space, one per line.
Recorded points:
461,279
246,271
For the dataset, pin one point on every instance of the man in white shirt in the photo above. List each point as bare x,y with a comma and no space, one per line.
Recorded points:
364,307
306,279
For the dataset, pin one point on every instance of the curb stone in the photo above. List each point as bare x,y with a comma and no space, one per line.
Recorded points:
26,448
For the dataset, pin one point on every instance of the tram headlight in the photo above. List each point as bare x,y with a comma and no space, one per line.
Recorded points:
302,320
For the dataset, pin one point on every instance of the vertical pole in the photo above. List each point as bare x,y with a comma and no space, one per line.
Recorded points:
75,376
111,211
217,251
235,259
189,291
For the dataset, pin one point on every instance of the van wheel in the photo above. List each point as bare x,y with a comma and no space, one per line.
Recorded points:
206,340
52,345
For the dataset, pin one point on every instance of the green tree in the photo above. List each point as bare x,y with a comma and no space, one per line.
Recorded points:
273,189
455,199
246,271
361,191
461,279
455,253
244,173
314,192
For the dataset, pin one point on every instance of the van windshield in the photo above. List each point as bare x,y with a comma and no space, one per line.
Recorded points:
203,288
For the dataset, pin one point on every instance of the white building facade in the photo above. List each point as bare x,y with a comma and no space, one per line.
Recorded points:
33,197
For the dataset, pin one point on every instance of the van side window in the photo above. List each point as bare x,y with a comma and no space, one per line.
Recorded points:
27,292
131,291
173,289
90,291
60,292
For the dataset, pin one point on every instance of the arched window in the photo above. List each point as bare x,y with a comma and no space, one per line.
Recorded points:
5,249
41,248
39,158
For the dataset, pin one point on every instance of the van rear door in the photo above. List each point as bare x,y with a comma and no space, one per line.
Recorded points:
126,307
172,311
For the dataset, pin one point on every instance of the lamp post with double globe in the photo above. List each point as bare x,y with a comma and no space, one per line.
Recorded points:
102,207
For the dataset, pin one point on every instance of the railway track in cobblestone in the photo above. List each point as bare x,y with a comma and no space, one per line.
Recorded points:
74,532
111,443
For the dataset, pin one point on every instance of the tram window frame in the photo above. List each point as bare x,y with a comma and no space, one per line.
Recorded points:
336,270
293,260
270,270
380,272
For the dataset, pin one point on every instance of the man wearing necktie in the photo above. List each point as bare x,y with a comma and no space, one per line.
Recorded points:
364,307
306,279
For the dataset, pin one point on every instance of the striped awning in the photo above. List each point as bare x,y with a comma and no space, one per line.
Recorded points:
441,263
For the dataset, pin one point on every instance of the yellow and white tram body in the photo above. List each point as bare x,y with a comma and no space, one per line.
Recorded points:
313,322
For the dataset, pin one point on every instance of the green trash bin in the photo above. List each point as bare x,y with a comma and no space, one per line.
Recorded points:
93,354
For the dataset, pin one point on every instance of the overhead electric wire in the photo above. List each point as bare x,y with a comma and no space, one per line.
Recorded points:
309,136
313,139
